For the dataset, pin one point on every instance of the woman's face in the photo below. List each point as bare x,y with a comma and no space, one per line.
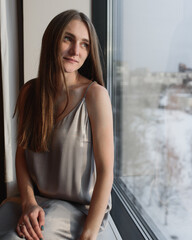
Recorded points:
75,45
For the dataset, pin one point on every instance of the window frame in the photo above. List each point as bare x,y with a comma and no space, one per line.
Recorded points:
126,215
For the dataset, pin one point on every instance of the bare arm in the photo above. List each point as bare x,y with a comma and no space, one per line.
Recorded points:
100,113
23,180
32,214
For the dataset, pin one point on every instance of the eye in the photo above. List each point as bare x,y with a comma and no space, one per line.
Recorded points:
67,39
85,45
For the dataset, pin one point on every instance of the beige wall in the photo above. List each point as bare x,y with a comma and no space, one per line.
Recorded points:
37,15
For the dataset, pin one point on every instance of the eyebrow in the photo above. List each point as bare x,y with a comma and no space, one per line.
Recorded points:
72,35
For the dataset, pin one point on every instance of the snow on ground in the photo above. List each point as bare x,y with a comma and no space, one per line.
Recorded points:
165,190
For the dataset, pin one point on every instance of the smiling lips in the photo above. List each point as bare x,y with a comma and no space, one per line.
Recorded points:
70,60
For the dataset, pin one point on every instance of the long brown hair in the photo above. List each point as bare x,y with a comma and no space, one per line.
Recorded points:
35,105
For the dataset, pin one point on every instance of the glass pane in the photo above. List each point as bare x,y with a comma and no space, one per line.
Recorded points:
152,105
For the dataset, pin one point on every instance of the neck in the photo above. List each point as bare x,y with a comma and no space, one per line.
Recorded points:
71,78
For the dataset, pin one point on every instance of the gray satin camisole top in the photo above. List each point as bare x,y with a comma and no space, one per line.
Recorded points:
68,170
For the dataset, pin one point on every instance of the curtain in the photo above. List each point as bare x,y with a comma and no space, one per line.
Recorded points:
10,88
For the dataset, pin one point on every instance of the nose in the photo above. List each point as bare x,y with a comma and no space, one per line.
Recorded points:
74,50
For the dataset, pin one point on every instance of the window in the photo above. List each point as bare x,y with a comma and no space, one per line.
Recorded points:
151,86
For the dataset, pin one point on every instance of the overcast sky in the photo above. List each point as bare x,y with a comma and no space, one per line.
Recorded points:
157,34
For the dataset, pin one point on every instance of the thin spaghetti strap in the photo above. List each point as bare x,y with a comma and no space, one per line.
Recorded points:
87,89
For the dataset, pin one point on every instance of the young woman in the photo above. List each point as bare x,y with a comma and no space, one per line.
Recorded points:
65,139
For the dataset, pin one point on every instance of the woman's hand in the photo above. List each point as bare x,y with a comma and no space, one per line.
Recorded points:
88,235
31,223
87,238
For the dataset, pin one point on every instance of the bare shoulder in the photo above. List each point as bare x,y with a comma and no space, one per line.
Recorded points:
97,99
96,92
